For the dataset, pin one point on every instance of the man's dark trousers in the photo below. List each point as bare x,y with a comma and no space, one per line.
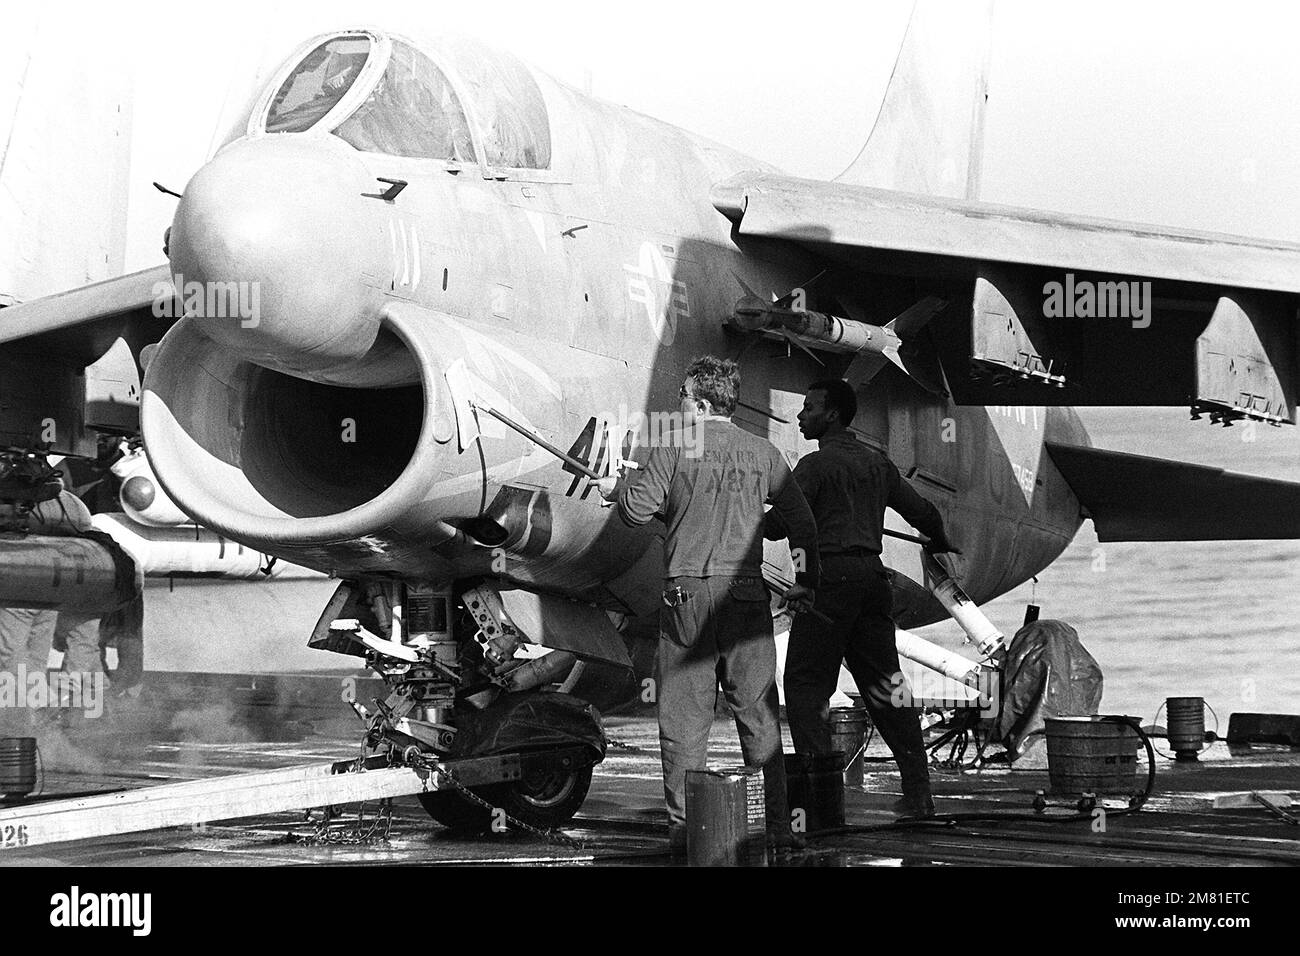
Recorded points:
854,592
720,635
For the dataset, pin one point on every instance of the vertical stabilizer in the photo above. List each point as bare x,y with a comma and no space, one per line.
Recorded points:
65,151
928,134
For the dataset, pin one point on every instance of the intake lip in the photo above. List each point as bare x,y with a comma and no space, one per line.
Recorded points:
197,415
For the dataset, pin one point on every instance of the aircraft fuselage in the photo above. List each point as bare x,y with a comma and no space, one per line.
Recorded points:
345,428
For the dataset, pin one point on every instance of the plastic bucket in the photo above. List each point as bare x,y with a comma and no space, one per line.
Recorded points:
1093,754
848,731
17,766
1186,726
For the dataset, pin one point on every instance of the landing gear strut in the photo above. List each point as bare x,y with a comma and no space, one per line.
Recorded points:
456,695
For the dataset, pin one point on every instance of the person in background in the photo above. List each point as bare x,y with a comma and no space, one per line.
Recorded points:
28,634
97,484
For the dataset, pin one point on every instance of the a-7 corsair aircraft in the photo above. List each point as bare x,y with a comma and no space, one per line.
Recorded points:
464,272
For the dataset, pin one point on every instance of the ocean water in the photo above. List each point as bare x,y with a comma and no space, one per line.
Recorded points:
1212,619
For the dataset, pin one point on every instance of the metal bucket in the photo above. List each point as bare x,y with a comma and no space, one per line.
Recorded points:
1186,726
815,785
726,817
1093,754
849,727
17,766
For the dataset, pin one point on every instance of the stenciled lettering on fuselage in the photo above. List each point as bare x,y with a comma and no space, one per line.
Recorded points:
1020,430
650,283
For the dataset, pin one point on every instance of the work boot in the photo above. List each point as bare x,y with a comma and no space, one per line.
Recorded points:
910,808
901,730
916,800
784,840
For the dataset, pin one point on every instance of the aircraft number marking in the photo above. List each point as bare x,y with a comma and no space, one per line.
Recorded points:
593,447
12,835
582,450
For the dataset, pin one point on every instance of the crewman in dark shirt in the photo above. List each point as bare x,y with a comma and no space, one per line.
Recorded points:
848,486
709,482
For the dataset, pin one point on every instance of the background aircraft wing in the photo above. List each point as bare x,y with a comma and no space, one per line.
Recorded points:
70,363
82,324
1135,498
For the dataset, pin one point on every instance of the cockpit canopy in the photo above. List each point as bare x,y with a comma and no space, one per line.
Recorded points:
316,85
382,95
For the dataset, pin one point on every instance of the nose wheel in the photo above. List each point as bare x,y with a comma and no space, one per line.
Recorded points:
544,797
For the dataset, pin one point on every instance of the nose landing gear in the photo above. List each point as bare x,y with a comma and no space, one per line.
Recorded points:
547,796
438,712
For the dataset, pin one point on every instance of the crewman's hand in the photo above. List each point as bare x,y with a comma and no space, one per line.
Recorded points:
941,546
798,598
608,487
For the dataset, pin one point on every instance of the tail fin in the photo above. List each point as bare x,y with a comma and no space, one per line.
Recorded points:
65,152
928,136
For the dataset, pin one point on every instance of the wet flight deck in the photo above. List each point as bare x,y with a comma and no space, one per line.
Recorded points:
195,727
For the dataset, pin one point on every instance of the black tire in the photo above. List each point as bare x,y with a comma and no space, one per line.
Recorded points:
455,812
544,799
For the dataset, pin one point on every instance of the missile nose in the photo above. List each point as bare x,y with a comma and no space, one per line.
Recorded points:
138,492
269,253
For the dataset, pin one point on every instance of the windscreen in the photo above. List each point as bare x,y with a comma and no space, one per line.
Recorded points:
317,84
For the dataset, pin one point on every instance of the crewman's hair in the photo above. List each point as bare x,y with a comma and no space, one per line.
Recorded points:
716,381
839,398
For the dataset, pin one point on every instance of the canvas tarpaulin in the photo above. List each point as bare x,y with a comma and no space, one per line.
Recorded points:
1047,673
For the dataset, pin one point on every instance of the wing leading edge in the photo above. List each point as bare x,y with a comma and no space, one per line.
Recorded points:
921,232
83,323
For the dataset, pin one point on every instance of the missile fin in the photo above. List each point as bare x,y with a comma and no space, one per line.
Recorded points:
916,318
811,353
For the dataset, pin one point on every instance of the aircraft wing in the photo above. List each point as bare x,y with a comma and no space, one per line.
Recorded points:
1140,315
874,227
71,360
1136,498
83,323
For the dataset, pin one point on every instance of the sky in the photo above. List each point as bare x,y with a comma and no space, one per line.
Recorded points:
1176,113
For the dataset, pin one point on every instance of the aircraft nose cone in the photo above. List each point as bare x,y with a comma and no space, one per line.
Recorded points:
268,251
